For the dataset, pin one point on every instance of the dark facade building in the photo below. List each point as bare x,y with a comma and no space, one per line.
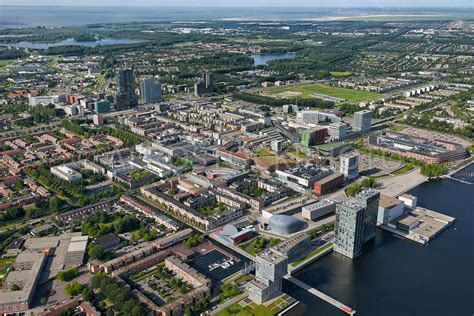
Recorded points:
126,97
205,86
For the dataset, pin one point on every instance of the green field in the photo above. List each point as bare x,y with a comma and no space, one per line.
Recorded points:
307,90
263,152
340,73
298,154
4,63
398,128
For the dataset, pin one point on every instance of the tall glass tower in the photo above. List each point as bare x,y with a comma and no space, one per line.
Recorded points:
126,97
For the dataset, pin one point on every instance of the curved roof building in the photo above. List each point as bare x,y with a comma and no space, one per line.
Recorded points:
285,224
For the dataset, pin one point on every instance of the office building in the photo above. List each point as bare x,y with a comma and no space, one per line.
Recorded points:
337,131
290,108
362,120
316,117
356,223
349,165
277,144
151,91
313,137
325,185
270,267
369,199
101,106
205,86
303,177
349,229
126,97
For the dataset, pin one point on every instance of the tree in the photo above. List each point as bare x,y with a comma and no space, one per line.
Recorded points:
15,287
96,252
73,288
68,275
54,204
87,294
227,291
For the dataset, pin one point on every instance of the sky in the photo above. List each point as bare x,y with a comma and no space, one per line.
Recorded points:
251,3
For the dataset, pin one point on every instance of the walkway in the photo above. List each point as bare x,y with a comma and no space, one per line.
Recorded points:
229,302
320,294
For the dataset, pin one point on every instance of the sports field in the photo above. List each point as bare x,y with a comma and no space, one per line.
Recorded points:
307,90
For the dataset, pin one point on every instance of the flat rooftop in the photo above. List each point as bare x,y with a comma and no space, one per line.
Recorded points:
271,256
387,201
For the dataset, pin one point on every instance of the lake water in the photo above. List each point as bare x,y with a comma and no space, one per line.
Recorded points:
24,16
73,42
396,277
263,59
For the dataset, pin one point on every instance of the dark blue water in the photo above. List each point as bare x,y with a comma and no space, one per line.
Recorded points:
400,277
73,42
263,59
12,16
466,174
22,16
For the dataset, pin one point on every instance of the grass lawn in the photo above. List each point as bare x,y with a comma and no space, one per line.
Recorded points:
4,63
245,278
258,244
312,254
269,161
5,263
402,170
141,276
263,153
398,128
298,154
340,73
243,309
307,90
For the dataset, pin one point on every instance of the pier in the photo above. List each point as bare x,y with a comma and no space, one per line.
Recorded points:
320,294
459,180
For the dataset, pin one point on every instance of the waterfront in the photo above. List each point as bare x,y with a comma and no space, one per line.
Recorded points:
263,59
400,277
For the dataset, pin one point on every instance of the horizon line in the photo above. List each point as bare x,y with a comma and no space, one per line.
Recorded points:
244,6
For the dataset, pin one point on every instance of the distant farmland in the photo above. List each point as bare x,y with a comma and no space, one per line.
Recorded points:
306,90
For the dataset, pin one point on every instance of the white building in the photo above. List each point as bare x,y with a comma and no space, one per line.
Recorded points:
318,209
408,199
390,208
349,165
66,173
